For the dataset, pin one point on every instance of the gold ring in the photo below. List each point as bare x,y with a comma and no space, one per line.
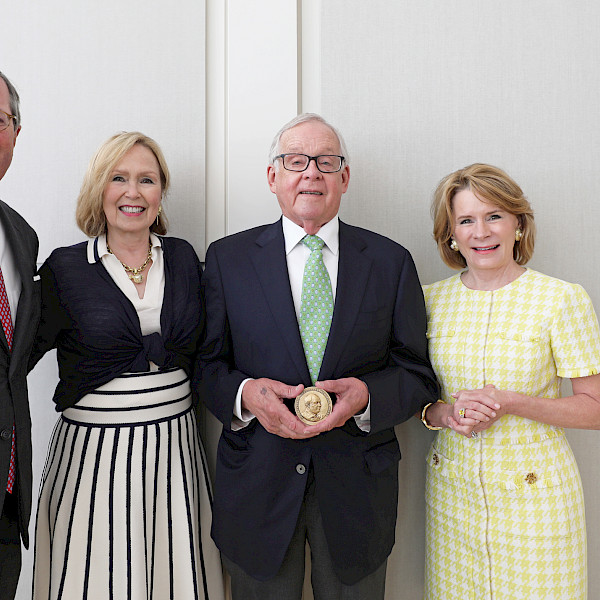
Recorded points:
461,413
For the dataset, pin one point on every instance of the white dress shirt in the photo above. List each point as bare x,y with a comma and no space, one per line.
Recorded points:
149,307
12,279
297,254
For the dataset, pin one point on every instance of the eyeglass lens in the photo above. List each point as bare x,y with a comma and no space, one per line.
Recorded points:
4,120
326,163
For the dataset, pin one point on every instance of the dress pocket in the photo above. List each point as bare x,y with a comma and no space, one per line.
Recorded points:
440,465
520,333
528,503
443,486
440,330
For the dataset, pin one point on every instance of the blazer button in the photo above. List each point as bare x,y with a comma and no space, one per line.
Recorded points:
6,434
300,468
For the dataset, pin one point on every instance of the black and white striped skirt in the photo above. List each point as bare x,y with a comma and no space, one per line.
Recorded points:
125,507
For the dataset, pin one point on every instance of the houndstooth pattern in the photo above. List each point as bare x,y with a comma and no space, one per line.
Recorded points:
7,325
316,308
505,513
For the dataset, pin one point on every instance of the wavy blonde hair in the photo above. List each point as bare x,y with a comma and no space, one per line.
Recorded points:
489,184
89,214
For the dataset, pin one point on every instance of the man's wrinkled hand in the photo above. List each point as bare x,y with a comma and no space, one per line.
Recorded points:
264,399
352,397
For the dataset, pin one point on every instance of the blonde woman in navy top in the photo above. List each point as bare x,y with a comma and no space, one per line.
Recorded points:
124,509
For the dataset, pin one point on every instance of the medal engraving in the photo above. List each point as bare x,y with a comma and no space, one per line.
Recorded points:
313,405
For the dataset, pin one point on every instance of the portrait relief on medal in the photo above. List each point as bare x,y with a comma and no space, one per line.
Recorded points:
313,405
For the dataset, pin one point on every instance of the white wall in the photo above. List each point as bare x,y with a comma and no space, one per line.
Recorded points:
418,89
421,89
84,71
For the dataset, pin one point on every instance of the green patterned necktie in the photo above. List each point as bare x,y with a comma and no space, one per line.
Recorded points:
316,308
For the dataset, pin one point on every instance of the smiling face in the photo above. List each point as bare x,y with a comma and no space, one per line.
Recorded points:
485,233
133,193
308,198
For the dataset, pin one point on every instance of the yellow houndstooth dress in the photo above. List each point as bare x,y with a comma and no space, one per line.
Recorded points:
505,514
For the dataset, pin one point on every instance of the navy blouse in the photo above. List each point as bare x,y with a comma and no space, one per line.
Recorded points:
96,329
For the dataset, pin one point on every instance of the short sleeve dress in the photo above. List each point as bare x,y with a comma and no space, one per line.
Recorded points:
505,512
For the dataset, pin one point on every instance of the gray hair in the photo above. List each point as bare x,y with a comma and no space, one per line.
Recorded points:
14,100
305,118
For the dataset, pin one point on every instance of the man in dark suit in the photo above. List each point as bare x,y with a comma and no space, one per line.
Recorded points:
18,254
279,481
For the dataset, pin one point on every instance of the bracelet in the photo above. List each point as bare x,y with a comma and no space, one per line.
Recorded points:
424,418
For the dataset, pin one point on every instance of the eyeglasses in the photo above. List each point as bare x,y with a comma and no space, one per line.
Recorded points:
5,119
326,163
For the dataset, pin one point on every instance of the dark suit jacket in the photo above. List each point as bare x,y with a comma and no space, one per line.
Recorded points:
377,334
14,405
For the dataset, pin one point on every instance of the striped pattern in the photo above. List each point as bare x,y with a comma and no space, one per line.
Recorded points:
124,509
505,512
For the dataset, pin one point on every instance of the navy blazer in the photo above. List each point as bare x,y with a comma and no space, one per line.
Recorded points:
377,334
14,404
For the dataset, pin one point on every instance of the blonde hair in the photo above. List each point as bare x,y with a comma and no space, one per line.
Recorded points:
489,184
89,214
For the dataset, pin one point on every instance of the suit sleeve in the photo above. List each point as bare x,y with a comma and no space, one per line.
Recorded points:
408,382
216,378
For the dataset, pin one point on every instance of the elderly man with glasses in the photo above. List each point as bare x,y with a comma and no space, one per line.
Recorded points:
19,314
310,304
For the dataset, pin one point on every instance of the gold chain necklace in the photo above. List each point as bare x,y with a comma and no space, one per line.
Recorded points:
134,274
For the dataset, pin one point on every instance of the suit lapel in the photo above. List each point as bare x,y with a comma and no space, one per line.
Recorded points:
271,268
23,262
353,274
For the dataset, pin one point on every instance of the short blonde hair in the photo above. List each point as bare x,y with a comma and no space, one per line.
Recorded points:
489,184
89,214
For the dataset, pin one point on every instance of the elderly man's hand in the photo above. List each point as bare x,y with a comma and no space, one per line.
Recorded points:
352,396
264,399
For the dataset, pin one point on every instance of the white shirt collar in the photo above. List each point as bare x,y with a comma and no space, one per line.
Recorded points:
329,233
97,247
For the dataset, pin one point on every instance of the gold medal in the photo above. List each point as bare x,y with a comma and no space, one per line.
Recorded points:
313,405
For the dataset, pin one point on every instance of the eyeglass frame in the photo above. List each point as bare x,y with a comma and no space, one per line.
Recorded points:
13,117
282,157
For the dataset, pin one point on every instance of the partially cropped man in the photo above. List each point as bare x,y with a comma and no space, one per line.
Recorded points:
19,315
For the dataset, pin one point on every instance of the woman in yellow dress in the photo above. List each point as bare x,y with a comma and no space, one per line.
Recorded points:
505,513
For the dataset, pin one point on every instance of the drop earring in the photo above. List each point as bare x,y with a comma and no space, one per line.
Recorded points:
454,245
158,214
518,235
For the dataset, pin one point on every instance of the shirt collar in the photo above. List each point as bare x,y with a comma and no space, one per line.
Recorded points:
329,233
97,247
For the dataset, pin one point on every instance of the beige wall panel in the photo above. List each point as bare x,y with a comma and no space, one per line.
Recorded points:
423,88
86,70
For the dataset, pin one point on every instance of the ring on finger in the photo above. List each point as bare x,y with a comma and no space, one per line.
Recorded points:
461,413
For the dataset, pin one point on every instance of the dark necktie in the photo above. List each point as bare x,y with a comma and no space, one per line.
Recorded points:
7,325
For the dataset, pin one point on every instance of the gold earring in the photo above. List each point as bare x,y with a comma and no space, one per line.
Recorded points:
454,245
518,235
158,213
